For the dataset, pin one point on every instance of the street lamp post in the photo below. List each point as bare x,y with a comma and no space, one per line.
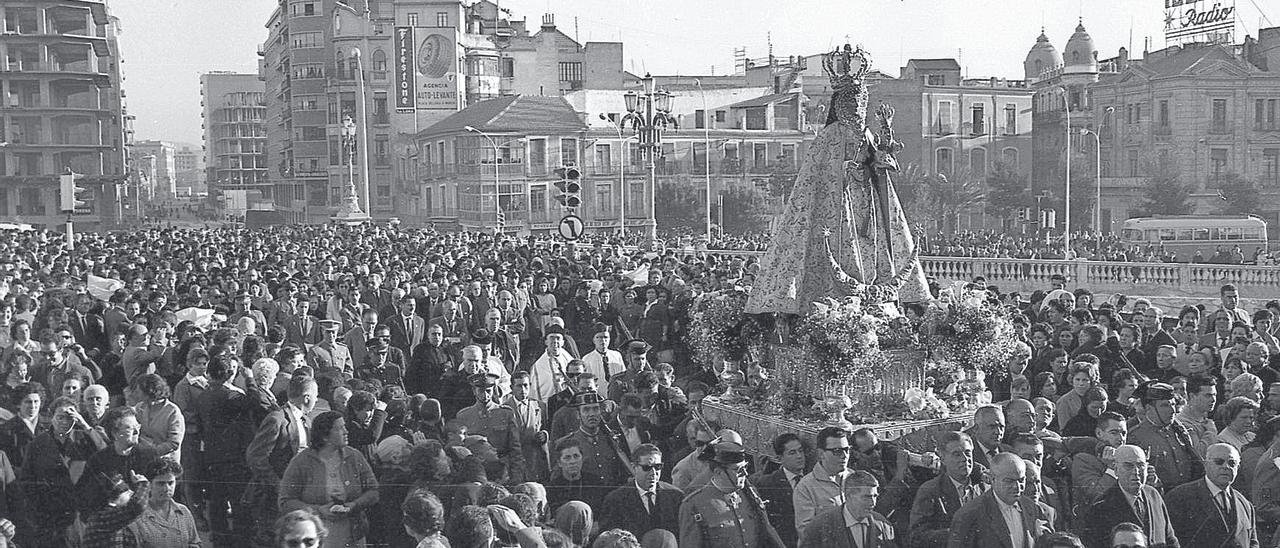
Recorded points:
1097,180
706,155
364,135
497,191
349,211
1066,208
622,174
650,113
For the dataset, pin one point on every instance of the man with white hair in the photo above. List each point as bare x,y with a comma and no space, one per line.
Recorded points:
259,391
1212,512
1130,500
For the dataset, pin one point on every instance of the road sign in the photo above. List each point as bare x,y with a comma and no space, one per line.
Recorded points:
571,227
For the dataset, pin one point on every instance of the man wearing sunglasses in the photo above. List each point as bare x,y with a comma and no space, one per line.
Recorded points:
823,487
646,504
1210,512
720,514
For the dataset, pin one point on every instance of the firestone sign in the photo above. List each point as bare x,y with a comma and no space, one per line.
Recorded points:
1198,21
404,73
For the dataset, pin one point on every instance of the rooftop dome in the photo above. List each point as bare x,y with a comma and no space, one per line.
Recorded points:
1080,55
1043,56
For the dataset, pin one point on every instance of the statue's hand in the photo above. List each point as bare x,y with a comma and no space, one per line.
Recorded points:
885,113
826,232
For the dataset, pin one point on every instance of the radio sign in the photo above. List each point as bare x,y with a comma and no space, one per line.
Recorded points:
1198,21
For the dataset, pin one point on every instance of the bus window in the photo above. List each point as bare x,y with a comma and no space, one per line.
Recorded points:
1202,234
1232,233
1252,234
1216,234
1184,234
1166,234
1131,235
1151,235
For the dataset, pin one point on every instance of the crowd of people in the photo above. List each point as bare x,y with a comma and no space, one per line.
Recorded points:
379,386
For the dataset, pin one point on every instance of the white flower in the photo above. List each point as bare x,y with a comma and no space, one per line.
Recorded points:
916,399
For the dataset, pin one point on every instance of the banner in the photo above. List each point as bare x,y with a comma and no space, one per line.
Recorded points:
404,73
436,67
1199,21
103,288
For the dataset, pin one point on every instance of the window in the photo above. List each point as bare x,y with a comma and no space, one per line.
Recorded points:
380,115
943,161
1163,116
413,18
298,9
944,117
759,156
1131,156
337,156
1011,157
1218,116
571,73
379,60
311,133
1264,115
935,80
1137,113
978,120
978,161
720,116
380,152
306,40
538,198
1271,166
537,156
635,197
1011,119
603,158
568,151
1218,162
308,70
306,102
333,110
604,197
442,18
788,157
508,67
699,119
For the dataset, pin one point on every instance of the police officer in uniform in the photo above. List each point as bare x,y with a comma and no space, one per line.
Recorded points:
329,355
496,422
635,355
1166,441
723,514
601,452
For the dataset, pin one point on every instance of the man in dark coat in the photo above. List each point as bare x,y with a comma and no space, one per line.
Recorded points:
1130,500
645,504
1211,512
224,415
282,434
938,499
777,488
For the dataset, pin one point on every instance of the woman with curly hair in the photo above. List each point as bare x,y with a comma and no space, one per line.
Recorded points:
332,479
163,424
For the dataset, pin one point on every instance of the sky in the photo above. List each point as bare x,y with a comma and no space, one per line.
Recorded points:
167,44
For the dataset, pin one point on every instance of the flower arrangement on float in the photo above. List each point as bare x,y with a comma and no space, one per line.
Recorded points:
715,326
971,333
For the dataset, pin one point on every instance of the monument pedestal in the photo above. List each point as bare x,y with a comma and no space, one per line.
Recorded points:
349,212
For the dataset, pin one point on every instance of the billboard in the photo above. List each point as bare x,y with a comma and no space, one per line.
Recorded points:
1199,21
435,64
403,75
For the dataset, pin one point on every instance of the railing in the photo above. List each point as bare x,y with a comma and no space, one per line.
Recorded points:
1026,275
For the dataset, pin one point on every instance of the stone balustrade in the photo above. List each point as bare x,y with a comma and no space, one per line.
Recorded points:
1167,279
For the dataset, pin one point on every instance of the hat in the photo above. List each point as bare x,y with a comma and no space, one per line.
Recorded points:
599,328
585,398
330,325
553,330
377,346
1153,391
724,452
481,336
429,411
637,346
483,380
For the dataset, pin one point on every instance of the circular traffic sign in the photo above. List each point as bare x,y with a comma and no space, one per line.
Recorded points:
571,227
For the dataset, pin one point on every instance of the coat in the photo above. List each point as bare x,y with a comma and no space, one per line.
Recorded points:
1199,521
932,513
828,530
406,339
777,493
274,445
979,524
303,485
623,509
1095,522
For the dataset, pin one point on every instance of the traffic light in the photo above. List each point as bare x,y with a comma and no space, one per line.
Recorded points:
570,187
1048,218
74,197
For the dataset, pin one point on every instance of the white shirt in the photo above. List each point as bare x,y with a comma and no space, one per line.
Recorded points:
859,528
542,376
1216,494
1013,519
596,364
297,421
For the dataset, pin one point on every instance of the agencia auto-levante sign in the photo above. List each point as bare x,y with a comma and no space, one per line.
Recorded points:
426,69
1199,21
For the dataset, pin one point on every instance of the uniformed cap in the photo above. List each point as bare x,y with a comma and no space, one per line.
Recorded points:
483,380
481,336
725,452
599,328
330,325
637,347
1153,391
586,398
553,330
377,346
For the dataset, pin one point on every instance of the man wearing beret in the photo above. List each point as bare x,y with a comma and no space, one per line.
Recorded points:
1166,441
635,355
496,422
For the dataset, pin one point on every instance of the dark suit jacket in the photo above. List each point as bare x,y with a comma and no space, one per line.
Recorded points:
406,341
300,331
273,446
776,492
89,331
932,512
224,417
1112,509
1199,521
827,530
979,524
623,509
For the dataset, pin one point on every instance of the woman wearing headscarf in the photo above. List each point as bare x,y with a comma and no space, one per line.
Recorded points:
574,519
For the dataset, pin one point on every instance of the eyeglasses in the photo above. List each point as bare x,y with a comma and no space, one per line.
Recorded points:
651,467
1221,462
837,450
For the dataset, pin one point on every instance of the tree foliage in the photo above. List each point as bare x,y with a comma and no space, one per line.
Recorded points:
1240,195
748,210
679,206
1163,191
1007,191
955,194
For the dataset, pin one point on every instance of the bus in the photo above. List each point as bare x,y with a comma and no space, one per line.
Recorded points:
1184,235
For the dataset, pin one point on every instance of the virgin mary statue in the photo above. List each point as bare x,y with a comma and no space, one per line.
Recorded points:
843,189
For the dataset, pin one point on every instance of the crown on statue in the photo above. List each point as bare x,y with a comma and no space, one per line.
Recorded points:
847,68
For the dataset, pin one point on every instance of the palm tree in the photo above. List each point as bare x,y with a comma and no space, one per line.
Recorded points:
955,194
